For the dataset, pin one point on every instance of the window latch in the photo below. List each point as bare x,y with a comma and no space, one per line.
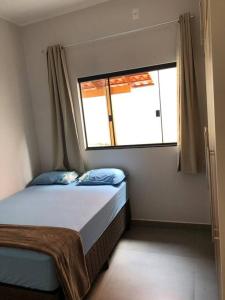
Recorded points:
158,113
110,118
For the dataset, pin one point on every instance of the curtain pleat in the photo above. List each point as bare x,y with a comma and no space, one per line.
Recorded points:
189,135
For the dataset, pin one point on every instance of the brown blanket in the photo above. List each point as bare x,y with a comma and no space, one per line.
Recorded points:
63,245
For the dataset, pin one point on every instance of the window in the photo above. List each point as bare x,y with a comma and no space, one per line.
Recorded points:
130,108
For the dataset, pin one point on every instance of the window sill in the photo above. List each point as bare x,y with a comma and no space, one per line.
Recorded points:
131,146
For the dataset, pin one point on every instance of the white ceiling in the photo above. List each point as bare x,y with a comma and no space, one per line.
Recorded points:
24,12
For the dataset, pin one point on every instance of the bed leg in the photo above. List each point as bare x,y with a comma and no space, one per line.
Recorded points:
105,266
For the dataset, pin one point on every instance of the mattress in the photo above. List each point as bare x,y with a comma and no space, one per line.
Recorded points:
86,209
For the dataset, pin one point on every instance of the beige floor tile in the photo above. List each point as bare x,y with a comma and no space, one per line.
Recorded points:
159,264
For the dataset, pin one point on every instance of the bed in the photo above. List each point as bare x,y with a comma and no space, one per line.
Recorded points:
98,213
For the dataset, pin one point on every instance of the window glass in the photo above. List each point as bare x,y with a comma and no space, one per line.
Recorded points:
134,111
126,108
168,92
96,113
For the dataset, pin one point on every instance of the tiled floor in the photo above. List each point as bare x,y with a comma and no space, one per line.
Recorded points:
159,264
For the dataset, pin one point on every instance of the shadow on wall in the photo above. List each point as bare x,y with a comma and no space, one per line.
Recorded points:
19,159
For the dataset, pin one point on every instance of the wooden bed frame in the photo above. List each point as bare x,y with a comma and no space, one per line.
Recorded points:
96,259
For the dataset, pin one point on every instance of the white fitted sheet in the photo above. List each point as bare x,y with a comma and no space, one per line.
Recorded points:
86,209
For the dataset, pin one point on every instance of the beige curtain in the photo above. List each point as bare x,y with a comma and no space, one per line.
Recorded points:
189,136
66,145
203,19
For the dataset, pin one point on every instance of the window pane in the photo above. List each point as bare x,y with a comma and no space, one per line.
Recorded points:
96,113
168,91
137,109
135,100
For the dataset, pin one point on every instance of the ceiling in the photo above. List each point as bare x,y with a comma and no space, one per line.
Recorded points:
24,12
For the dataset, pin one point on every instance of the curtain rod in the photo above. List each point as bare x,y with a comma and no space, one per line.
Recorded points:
115,35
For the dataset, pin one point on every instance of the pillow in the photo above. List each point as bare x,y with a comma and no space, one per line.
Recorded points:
105,176
55,177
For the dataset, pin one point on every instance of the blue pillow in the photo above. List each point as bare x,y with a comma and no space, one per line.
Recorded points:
55,177
105,176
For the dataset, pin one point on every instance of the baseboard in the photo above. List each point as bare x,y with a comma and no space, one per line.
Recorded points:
166,224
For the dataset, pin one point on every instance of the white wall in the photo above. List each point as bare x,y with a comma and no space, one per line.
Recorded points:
157,192
18,149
